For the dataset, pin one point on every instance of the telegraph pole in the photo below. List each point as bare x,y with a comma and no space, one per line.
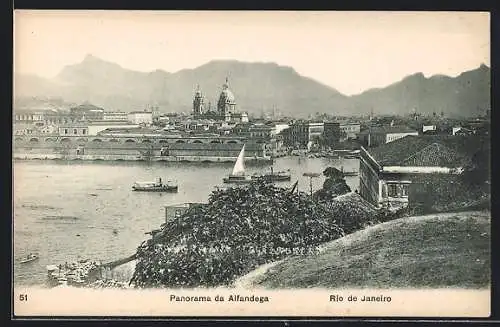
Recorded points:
311,176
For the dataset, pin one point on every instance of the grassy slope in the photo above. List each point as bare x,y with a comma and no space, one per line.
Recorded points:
441,250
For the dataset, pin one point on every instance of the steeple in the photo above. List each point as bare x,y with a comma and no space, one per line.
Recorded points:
198,101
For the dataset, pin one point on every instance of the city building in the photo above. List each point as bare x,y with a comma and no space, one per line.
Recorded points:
302,134
395,174
378,135
350,130
140,117
28,116
86,111
332,133
74,129
115,115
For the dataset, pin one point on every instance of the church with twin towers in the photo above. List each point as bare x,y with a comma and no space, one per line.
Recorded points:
226,106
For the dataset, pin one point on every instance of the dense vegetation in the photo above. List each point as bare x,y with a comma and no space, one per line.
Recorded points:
240,229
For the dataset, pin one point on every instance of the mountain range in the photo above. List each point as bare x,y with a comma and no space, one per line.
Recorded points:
257,87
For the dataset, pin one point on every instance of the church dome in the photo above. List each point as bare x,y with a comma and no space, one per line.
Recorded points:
226,95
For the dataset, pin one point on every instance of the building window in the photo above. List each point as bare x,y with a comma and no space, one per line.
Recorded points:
65,131
75,131
84,131
404,190
395,190
392,190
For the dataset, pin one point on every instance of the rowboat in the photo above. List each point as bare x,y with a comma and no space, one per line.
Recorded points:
29,258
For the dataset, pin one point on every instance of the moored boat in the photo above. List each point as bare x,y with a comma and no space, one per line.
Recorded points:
280,176
348,173
29,258
238,175
156,186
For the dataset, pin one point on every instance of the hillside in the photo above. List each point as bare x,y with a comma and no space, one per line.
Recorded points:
467,94
257,86
445,250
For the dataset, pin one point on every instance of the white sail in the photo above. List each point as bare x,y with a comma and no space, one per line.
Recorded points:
239,166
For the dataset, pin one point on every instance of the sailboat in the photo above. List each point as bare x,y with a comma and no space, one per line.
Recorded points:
238,174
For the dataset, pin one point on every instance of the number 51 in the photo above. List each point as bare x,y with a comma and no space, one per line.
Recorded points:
23,297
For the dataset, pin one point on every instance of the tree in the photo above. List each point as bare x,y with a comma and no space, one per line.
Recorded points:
333,186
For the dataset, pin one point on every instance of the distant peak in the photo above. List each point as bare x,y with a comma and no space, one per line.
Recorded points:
483,66
419,76
90,57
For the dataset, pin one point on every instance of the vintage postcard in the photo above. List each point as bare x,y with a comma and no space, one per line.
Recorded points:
232,163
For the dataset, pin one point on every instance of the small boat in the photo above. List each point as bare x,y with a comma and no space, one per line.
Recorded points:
29,258
156,186
348,173
280,176
238,174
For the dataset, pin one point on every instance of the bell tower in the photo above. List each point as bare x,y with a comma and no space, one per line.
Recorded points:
198,102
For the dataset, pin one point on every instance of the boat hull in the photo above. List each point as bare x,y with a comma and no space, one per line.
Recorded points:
173,189
28,260
274,178
229,180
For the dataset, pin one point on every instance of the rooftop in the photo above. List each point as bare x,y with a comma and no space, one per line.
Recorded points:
429,150
388,130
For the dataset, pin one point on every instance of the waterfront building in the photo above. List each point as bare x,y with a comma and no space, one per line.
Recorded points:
378,135
331,133
74,129
302,134
404,172
22,128
140,117
92,128
138,144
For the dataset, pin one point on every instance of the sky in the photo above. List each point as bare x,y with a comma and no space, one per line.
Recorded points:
349,51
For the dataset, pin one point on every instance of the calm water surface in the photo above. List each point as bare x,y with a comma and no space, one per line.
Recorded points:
71,210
